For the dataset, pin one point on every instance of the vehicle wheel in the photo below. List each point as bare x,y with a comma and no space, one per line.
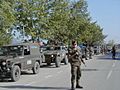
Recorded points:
36,68
48,61
15,74
65,60
57,62
48,64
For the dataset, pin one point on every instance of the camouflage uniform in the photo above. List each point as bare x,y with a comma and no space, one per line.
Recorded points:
75,58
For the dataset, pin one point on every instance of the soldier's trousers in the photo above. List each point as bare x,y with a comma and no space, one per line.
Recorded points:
75,73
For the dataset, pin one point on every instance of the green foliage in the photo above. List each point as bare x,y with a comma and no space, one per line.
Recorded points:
6,21
59,20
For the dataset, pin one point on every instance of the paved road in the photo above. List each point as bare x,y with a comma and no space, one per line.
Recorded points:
101,73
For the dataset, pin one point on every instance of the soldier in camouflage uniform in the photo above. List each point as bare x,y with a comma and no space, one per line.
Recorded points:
75,59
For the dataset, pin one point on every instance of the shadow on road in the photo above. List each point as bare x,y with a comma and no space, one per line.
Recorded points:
35,87
88,69
108,58
50,66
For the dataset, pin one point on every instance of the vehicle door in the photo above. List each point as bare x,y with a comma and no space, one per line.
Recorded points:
27,57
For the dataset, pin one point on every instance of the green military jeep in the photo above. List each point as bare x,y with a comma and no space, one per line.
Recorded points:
55,54
15,58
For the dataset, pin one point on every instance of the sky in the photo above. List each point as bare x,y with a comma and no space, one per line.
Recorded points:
107,15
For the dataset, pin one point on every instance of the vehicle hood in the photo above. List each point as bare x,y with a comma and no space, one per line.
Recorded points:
50,52
5,57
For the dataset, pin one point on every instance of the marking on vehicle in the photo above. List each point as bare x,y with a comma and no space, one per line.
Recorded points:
109,74
29,62
21,57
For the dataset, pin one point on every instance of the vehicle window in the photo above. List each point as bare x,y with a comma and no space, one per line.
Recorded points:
26,50
57,48
49,48
11,50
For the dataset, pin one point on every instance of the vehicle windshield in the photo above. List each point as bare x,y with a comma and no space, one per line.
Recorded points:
11,50
51,48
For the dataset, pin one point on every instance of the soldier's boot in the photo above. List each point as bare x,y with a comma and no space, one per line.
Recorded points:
78,85
72,86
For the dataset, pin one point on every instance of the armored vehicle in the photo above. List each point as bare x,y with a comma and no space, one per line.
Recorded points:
15,58
55,54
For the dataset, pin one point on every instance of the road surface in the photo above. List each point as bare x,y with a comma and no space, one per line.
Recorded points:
101,73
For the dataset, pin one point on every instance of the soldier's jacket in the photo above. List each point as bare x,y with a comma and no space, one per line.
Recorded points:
74,56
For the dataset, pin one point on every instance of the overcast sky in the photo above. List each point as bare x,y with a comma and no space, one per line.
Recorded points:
107,15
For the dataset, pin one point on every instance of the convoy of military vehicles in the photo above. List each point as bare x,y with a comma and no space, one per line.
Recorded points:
29,56
16,58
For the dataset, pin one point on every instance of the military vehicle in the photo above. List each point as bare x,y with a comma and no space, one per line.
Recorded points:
55,54
19,57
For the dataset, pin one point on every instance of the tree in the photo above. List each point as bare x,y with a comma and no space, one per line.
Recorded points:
59,20
7,19
30,15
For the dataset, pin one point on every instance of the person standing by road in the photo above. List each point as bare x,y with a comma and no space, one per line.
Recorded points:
86,52
75,59
113,52
90,51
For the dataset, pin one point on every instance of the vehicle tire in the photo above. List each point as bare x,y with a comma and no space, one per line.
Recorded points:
48,61
36,68
57,62
48,64
65,60
15,74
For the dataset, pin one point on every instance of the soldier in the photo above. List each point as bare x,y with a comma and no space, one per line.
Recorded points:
90,52
75,59
113,52
86,52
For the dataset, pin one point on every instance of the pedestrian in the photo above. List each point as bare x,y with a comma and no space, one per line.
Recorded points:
113,52
86,52
75,59
90,52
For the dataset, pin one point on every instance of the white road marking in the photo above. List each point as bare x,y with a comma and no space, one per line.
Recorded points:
59,72
30,83
113,64
48,76
109,74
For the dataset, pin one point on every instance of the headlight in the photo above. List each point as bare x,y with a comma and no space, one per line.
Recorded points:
51,55
4,63
58,54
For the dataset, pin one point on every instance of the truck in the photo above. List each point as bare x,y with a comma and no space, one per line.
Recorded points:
18,57
55,54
